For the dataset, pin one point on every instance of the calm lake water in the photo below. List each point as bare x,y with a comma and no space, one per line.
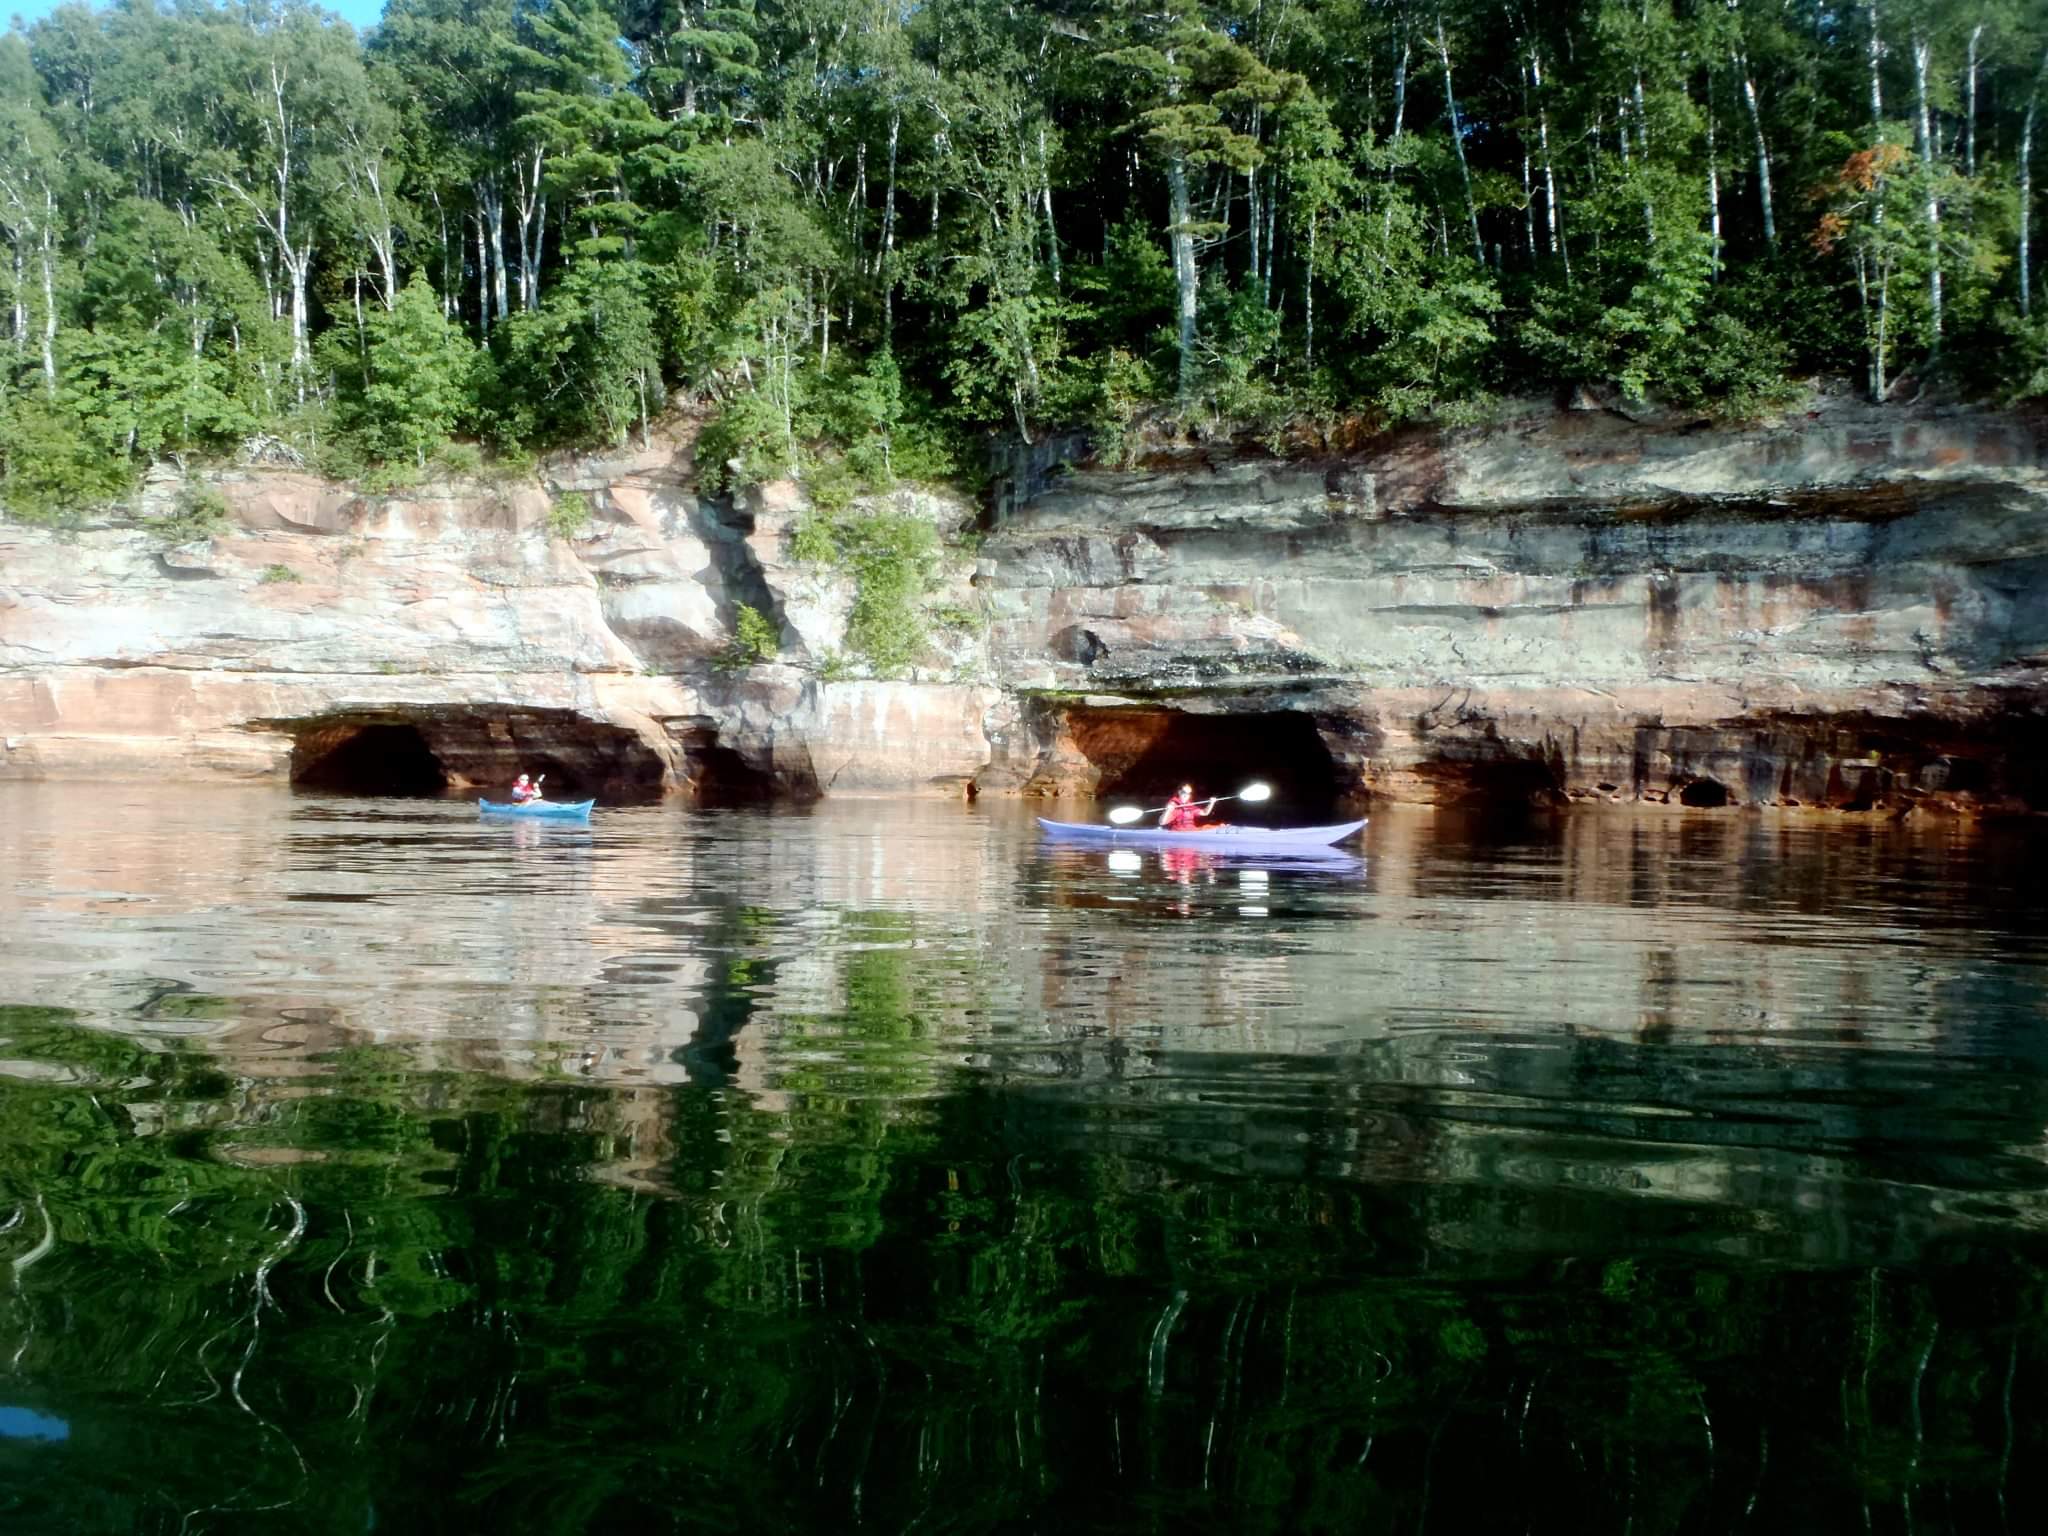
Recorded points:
364,1167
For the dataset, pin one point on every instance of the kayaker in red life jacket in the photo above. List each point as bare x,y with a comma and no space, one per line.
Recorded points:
523,791
1182,814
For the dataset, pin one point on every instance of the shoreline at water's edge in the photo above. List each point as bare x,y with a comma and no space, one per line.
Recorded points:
1929,813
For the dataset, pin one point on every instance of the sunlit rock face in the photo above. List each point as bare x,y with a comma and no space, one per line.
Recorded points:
447,638
1848,608
1844,608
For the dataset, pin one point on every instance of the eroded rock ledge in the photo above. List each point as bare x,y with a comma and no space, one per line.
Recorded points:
1845,608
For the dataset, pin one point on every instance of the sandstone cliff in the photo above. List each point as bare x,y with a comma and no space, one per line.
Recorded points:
1847,607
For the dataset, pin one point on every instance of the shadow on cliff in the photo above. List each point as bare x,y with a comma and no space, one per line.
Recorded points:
1147,753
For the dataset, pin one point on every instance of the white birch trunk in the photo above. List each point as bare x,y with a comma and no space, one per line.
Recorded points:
1308,292
532,209
483,278
1970,109
1052,233
1924,127
19,316
1443,53
49,264
1763,151
1400,93
888,261
1552,220
2027,184
1185,278
1713,202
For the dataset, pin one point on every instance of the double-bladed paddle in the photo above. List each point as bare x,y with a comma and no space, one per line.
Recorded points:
1124,815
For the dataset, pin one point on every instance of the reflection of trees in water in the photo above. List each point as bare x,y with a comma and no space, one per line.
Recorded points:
875,1303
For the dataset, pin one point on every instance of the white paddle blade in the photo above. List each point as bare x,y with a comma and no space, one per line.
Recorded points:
1256,792
1124,815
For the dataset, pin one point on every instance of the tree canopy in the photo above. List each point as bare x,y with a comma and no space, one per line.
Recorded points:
1218,216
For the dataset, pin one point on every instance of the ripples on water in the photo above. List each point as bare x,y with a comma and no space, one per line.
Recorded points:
366,1167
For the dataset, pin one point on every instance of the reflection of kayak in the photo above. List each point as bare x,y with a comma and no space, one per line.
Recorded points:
539,810
1214,839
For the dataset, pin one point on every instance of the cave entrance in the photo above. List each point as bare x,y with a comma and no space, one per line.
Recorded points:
722,777
1146,754
398,751
1708,794
367,760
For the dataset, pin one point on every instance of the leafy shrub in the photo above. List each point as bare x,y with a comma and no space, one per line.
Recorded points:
51,469
510,461
416,375
585,365
1122,386
569,516
278,575
389,477
201,512
813,540
754,639
832,483
850,429
743,445
462,459
755,634
890,557
329,451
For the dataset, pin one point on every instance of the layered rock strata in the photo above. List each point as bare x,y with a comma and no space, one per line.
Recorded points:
1847,607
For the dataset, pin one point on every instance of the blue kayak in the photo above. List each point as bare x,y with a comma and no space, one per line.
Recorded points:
1220,839
538,810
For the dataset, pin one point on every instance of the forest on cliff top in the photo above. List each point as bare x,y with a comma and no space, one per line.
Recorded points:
865,236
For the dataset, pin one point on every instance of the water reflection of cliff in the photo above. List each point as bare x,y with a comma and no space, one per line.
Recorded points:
1688,1174
1650,1009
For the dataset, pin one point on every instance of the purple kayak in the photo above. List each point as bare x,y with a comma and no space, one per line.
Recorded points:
1219,839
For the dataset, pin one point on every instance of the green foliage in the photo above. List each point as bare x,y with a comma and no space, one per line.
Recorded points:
1120,387
813,540
891,557
414,379
462,460
754,639
743,445
868,243
754,634
51,471
389,477
585,365
1127,300
892,560
200,512
569,515
278,575
849,430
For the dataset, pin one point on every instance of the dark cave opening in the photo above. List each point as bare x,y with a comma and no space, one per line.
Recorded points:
402,751
1146,754
367,760
1705,794
722,777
